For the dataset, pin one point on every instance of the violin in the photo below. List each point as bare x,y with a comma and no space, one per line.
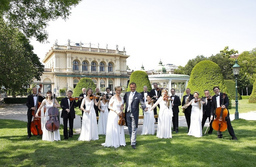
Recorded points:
73,98
220,123
36,123
92,97
121,120
53,122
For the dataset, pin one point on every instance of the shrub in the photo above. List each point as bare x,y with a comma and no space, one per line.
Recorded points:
245,97
11,100
83,83
231,89
252,98
141,80
205,75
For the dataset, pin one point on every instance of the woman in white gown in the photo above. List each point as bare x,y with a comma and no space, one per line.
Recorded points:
48,103
115,133
89,130
196,116
103,118
149,120
164,129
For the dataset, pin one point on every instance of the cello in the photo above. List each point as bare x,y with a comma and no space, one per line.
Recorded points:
220,124
53,122
36,123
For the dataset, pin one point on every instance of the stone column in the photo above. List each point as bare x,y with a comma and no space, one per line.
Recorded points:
169,86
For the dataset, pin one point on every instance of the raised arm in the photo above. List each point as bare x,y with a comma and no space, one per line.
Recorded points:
39,109
157,102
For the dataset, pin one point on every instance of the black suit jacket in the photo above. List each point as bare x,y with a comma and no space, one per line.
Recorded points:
64,106
183,102
30,102
224,101
176,103
207,108
153,93
142,94
137,100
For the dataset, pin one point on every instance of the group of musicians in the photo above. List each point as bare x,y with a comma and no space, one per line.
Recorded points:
210,103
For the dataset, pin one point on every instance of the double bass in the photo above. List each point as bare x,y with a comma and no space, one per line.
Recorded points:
53,122
36,123
220,123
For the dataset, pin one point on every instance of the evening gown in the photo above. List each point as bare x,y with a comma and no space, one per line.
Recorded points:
148,121
103,118
48,135
89,130
114,133
196,120
164,129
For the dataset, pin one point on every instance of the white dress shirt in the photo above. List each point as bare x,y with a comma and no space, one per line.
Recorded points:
130,101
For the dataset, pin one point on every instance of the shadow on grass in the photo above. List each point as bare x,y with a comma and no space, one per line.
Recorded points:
181,150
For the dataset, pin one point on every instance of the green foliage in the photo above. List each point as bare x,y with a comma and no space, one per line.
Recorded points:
247,75
19,64
141,80
205,75
231,89
252,98
189,66
245,97
83,83
31,16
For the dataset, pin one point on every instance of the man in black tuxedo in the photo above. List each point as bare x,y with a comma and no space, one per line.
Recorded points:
186,99
96,108
155,93
221,100
175,109
108,93
145,93
81,97
68,113
207,108
132,100
32,104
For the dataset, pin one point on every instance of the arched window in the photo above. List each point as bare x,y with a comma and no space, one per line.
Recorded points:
93,66
102,83
84,66
75,82
102,66
110,84
94,81
75,65
110,67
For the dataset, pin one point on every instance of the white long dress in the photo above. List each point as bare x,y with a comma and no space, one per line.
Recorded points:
148,121
114,133
103,118
48,135
89,130
196,120
164,129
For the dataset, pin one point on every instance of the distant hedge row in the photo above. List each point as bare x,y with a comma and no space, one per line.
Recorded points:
252,98
21,100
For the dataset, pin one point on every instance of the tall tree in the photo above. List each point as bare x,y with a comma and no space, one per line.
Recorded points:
31,16
19,65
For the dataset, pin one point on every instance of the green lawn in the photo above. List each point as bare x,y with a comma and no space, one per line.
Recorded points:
181,150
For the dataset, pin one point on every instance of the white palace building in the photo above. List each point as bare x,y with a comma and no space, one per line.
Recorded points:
65,65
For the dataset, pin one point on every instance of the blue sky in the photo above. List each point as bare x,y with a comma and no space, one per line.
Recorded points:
171,30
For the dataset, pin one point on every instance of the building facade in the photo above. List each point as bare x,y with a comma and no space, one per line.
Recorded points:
65,65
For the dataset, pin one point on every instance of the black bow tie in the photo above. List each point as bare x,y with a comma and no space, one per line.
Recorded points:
217,95
34,95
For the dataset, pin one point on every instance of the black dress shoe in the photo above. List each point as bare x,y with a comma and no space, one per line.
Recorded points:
234,138
28,137
65,138
177,131
70,136
133,146
209,132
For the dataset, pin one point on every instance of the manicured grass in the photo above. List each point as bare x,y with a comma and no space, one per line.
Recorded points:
181,150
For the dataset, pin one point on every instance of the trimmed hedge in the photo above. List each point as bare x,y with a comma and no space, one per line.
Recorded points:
11,100
252,98
141,80
205,75
83,83
245,97
231,89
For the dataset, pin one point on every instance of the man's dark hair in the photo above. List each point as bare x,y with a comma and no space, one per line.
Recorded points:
133,83
215,87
